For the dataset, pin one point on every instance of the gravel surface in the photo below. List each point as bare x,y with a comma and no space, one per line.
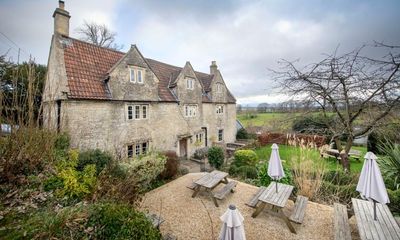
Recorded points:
198,218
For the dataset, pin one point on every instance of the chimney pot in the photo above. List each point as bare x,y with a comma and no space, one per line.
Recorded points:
61,4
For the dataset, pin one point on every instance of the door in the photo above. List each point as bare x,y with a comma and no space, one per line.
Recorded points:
183,147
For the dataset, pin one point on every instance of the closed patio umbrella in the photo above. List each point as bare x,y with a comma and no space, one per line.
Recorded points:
275,169
232,228
370,184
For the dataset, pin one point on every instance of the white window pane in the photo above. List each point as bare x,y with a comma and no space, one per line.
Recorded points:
144,112
139,76
132,75
137,112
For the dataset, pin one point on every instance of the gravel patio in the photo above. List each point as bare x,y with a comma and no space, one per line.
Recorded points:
198,218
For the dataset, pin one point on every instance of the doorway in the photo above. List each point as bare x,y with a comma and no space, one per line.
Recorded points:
183,147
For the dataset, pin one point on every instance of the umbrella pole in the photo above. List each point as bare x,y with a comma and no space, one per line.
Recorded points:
374,210
276,186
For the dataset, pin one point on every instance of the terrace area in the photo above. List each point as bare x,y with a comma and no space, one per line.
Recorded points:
197,218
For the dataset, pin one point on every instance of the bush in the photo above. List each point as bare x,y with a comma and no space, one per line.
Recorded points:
116,221
97,157
171,165
313,124
216,157
201,153
242,134
62,142
247,172
265,180
245,158
394,205
71,183
25,151
126,180
97,221
390,164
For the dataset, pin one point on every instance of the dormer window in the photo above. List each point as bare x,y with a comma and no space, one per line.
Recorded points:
190,83
136,75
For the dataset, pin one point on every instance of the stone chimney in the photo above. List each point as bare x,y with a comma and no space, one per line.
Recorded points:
61,20
213,67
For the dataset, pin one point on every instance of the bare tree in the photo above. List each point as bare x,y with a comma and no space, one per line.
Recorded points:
360,90
98,34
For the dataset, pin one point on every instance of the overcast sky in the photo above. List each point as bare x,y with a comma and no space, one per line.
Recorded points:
245,37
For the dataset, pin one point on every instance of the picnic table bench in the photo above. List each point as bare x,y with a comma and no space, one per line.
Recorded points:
385,227
341,222
210,181
277,200
356,154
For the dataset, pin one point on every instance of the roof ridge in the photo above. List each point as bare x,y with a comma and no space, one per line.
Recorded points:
94,45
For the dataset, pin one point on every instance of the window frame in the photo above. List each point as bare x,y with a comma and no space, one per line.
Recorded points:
220,109
141,76
189,83
132,75
190,110
220,135
138,111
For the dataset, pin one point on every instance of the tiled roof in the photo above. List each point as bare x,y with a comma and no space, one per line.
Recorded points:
87,66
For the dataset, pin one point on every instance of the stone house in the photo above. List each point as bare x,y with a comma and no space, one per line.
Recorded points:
127,104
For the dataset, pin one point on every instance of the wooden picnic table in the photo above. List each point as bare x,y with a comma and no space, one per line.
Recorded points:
385,227
352,153
277,201
210,181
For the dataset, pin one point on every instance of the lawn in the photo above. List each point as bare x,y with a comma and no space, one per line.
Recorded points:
260,119
288,153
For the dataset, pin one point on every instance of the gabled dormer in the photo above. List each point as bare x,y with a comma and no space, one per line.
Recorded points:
132,79
186,86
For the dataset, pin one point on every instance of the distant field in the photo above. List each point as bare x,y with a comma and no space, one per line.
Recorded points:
261,119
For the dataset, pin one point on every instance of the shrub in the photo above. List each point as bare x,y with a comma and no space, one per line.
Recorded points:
390,164
247,172
116,221
97,157
394,205
265,180
96,221
233,170
171,165
69,182
245,158
126,180
201,153
62,142
25,151
216,157
242,134
313,124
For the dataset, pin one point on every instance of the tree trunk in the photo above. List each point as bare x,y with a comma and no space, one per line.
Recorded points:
343,153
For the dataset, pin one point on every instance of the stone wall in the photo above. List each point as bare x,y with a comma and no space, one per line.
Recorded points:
104,125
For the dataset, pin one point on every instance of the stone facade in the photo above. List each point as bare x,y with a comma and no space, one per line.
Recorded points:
89,93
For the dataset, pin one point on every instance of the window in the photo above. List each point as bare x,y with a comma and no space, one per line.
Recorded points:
190,110
189,83
138,112
130,151
144,111
132,75
139,76
219,88
130,112
220,109
220,134
199,137
137,149
136,75
144,148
